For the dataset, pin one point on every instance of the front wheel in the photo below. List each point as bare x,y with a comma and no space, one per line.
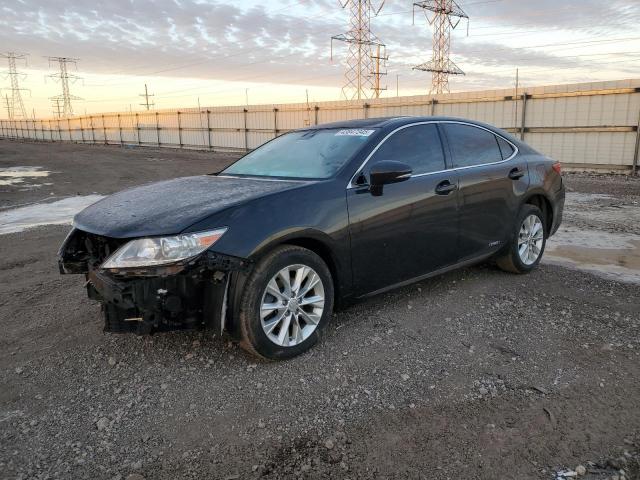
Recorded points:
286,303
527,245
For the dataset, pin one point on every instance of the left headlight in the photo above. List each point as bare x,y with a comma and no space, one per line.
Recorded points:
146,252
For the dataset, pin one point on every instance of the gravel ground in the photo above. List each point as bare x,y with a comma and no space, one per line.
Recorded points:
474,374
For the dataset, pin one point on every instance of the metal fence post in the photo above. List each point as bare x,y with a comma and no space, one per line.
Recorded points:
69,129
275,122
104,132
433,107
59,130
365,107
158,127
81,129
138,129
209,130
524,115
246,131
120,130
317,108
179,130
634,167
93,130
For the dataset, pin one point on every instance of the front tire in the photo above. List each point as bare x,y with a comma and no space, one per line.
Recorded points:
528,242
286,303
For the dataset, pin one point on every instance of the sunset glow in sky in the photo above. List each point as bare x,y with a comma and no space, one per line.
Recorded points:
213,51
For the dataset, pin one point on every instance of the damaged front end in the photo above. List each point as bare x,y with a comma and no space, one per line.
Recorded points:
184,295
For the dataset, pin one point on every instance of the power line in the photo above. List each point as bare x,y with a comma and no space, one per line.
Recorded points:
64,78
15,107
446,15
205,91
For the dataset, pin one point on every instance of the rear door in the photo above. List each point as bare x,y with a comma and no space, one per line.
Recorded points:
493,178
411,229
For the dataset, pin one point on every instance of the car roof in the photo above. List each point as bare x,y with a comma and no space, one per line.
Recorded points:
382,122
359,123
389,123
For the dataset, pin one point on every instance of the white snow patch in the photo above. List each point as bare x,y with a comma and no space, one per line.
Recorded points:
60,212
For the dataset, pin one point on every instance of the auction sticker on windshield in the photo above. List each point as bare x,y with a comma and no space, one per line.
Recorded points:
354,132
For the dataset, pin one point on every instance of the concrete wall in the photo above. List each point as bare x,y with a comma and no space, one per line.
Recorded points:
587,126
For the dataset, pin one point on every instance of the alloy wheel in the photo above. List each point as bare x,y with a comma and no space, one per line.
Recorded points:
292,305
530,239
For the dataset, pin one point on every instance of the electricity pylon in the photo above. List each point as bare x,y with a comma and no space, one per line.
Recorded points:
15,105
146,96
64,78
359,77
445,16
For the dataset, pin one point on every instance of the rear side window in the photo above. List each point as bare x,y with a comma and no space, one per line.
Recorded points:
471,145
505,148
418,146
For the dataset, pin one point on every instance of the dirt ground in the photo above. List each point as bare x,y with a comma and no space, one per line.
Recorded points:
473,374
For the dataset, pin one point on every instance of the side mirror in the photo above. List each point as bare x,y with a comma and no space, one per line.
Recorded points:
386,172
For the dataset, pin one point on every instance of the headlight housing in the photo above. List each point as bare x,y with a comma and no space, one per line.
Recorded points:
152,251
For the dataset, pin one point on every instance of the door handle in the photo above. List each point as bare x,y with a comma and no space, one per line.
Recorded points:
446,187
516,174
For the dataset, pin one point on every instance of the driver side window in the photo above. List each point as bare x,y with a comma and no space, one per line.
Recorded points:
418,146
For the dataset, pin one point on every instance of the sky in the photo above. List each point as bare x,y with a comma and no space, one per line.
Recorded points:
223,52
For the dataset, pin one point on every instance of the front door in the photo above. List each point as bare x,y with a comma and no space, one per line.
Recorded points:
411,229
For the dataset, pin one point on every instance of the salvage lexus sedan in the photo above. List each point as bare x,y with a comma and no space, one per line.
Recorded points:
322,215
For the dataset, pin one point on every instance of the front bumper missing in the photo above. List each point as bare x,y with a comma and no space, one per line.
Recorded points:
192,299
186,296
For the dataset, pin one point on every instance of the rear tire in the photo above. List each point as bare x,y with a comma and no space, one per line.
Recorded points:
286,303
527,244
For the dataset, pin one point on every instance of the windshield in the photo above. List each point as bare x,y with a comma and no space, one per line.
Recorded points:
303,154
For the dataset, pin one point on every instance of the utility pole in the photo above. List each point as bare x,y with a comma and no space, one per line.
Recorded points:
379,58
57,112
359,74
64,78
146,96
16,109
8,107
444,16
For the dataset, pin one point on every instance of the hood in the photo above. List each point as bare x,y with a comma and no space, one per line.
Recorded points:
166,208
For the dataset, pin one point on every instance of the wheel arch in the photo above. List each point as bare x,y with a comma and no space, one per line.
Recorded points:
317,242
542,201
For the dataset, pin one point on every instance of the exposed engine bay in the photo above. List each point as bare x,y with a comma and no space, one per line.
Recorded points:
187,295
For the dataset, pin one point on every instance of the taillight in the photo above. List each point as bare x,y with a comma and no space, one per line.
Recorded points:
558,167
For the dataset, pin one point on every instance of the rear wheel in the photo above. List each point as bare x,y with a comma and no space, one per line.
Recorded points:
286,303
527,245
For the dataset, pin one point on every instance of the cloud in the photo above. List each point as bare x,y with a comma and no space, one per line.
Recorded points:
287,40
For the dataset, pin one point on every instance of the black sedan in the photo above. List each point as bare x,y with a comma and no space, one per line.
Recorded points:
323,215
